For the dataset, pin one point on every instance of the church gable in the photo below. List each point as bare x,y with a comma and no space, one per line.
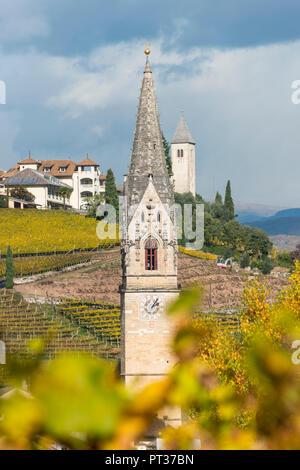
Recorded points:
151,237
151,217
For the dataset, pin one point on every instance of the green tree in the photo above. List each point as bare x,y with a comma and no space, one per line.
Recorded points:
65,193
257,242
213,229
182,200
3,202
9,274
234,234
20,192
111,194
218,198
93,203
167,154
228,203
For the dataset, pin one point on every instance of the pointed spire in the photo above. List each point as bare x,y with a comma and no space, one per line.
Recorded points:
147,66
148,155
183,134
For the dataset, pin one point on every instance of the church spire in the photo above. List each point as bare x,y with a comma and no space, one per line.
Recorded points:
148,155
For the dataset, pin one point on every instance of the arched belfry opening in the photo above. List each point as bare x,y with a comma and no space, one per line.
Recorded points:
151,249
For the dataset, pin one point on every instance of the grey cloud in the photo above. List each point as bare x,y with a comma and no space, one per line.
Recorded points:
237,104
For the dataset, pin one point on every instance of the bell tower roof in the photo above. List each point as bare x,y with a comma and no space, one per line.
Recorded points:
183,134
148,159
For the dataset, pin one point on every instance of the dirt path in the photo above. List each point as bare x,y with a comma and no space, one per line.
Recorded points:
101,281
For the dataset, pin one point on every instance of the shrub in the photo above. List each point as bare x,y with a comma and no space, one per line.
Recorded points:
242,391
284,259
198,254
245,261
266,266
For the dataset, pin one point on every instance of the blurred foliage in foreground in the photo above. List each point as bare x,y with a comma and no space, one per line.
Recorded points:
242,390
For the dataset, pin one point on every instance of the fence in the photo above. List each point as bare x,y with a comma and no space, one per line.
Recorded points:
21,322
98,249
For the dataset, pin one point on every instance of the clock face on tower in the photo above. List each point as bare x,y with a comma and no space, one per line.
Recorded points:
151,307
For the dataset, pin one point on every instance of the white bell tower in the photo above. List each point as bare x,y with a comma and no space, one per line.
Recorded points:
183,159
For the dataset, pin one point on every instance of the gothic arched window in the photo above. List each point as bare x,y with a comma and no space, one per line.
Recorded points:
151,247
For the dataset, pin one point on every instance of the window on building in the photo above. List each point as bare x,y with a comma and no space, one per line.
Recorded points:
86,194
143,217
47,169
179,153
86,181
62,169
151,254
158,217
87,168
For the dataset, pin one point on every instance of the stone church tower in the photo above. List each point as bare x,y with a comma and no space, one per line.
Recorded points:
149,254
183,159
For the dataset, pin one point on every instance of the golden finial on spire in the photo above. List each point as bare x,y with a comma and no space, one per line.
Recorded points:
147,51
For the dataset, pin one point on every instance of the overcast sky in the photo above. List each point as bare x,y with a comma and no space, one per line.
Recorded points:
73,72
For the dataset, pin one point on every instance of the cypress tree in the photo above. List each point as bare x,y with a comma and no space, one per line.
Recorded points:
9,275
228,203
111,194
218,198
267,265
167,154
245,261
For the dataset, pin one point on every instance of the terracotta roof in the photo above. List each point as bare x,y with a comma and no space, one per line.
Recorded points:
11,172
55,165
27,161
102,177
30,177
88,162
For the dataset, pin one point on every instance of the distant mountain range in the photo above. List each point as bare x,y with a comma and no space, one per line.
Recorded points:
282,225
283,222
248,212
